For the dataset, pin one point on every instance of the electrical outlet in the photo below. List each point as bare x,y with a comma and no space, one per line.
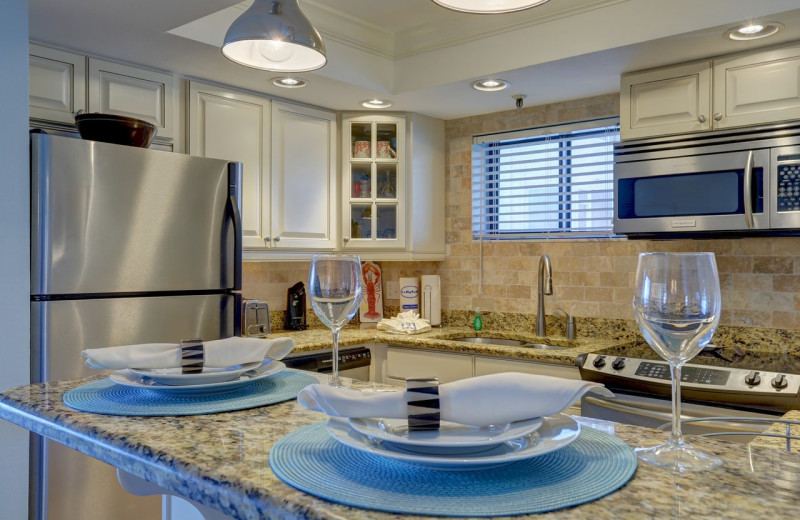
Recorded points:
392,290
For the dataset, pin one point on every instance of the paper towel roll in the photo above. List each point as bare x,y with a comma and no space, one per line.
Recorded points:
431,289
409,294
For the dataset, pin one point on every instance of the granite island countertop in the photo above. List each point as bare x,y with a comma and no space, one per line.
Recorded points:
221,461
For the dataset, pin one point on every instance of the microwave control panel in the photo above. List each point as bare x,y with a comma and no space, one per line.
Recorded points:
788,187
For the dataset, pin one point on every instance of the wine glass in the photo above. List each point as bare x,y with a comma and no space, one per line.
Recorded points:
677,307
334,283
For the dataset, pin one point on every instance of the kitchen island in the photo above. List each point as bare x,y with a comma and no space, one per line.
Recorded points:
222,461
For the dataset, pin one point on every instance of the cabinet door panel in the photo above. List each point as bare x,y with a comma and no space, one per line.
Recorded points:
224,125
666,101
490,365
374,205
404,363
759,88
57,84
303,177
129,91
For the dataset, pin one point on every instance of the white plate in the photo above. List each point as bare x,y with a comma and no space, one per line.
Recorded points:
449,438
266,369
174,376
554,433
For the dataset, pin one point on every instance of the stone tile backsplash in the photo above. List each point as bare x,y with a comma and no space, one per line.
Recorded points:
760,276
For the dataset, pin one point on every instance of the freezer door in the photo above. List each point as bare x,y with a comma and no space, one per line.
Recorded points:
107,219
67,484
61,329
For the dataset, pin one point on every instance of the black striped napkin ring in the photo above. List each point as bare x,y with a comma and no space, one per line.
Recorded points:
422,401
192,356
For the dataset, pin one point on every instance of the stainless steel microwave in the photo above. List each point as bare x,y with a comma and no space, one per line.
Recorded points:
719,183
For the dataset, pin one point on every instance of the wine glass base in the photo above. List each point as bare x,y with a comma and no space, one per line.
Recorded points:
341,382
678,457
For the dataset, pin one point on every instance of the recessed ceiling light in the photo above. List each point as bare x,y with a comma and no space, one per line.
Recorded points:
488,6
376,103
490,85
753,31
289,82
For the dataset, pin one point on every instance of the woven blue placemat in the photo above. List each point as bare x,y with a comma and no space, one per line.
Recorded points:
592,466
107,397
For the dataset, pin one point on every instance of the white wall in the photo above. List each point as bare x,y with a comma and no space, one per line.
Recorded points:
14,249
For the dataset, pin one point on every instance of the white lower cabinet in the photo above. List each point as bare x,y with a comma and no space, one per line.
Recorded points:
493,365
402,363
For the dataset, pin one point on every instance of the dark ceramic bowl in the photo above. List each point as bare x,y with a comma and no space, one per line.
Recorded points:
110,128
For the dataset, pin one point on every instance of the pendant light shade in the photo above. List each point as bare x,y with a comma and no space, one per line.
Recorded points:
274,35
489,6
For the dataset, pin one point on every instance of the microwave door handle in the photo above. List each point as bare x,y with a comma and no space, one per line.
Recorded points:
748,191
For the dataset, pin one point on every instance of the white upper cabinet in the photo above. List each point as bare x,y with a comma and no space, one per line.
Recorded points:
731,91
304,187
130,91
65,84
57,84
374,182
288,154
236,127
666,101
393,187
758,88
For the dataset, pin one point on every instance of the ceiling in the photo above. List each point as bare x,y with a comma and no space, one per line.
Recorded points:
417,54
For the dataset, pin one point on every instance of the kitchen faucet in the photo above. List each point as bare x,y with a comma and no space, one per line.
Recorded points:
544,286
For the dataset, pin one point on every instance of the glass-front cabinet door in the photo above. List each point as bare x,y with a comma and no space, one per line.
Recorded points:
374,183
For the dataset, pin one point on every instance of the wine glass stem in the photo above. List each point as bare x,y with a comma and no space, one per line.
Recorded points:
677,435
335,362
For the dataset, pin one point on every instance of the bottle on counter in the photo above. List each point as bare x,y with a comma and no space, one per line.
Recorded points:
478,323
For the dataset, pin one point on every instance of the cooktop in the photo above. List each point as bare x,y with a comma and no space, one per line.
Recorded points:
731,375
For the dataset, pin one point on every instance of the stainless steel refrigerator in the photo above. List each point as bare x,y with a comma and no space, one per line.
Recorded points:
128,245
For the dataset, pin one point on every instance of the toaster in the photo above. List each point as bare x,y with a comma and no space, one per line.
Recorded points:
255,319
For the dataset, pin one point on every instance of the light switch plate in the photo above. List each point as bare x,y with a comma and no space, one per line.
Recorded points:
392,290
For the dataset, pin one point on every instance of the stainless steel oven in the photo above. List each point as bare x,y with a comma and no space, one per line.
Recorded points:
737,384
733,182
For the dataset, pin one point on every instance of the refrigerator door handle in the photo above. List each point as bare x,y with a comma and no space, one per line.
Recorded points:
234,184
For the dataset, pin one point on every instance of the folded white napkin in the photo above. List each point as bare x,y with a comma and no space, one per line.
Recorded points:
407,322
218,353
477,401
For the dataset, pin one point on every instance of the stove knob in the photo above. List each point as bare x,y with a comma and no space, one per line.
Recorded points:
618,364
752,379
779,382
599,362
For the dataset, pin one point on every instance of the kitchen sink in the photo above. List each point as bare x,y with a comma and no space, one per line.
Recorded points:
493,341
508,342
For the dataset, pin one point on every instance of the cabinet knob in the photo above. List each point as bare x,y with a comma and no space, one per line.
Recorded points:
702,118
277,239
346,239
267,238
717,117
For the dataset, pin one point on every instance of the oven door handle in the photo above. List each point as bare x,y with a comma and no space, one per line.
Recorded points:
747,189
731,423
618,407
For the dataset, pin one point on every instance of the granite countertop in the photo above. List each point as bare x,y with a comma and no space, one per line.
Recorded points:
441,338
221,460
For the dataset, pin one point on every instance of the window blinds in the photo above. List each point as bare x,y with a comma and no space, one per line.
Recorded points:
544,183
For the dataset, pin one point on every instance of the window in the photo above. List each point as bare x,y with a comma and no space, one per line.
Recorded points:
552,182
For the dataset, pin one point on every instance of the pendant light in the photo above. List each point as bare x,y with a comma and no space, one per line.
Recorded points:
274,35
488,6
